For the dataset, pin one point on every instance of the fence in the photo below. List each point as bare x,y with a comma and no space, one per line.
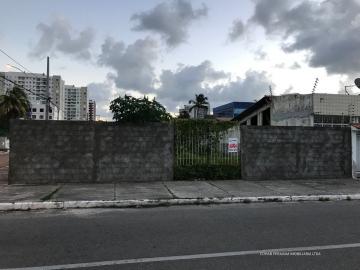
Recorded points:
202,147
295,152
44,152
196,148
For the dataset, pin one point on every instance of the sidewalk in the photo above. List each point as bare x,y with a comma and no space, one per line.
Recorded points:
20,197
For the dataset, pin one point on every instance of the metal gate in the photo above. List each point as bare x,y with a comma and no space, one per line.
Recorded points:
207,147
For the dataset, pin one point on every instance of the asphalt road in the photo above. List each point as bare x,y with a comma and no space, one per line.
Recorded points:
48,238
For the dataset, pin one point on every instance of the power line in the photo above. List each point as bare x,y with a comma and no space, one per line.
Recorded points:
31,91
47,97
19,85
14,60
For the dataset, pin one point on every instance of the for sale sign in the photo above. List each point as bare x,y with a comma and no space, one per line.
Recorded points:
233,145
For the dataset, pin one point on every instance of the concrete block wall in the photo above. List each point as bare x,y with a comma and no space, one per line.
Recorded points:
295,152
89,152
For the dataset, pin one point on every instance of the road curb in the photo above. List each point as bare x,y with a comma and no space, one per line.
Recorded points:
24,206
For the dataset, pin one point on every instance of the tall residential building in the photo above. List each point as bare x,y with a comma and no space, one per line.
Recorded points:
76,103
92,110
36,82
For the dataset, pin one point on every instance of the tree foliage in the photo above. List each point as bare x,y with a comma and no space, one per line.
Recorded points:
13,104
131,109
200,102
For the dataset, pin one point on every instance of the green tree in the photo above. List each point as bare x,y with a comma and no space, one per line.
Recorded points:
131,109
200,102
13,104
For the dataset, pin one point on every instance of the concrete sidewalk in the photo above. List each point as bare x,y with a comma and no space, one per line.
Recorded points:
19,197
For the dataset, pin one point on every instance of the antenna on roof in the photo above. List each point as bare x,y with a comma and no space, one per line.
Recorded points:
315,85
270,90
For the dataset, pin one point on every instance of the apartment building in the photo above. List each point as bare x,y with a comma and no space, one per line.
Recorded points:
37,82
76,103
92,110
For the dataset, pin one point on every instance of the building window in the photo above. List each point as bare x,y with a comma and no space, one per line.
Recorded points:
50,117
41,117
33,109
41,110
33,116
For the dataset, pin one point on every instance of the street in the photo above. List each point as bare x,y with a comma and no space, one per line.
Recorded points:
104,238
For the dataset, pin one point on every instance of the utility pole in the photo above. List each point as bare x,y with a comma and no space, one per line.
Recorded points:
47,91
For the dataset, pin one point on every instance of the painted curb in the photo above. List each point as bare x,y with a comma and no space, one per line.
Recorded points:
24,206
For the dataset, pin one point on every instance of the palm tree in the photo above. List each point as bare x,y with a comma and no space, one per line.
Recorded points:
199,102
13,104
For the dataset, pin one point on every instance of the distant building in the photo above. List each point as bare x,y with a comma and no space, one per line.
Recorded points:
76,103
196,112
200,112
330,110
185,110
92,110
230,110
36,83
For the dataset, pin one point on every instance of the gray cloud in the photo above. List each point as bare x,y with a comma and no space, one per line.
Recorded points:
253,86
133,64
178,87
260,54
236,30
280,65
186,81
296,65
328,30
60,37
103,94
169,19
288,90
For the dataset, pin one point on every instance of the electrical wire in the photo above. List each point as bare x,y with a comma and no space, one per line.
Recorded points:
2,51
44,97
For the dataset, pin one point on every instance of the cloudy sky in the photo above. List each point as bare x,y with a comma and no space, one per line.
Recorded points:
230,50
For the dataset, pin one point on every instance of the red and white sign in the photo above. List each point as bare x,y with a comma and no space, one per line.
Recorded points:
233,145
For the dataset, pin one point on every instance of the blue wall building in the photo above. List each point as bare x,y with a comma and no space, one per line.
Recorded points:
231,110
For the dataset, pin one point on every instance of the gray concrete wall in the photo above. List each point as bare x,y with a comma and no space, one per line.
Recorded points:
292,110
295,152
80,151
